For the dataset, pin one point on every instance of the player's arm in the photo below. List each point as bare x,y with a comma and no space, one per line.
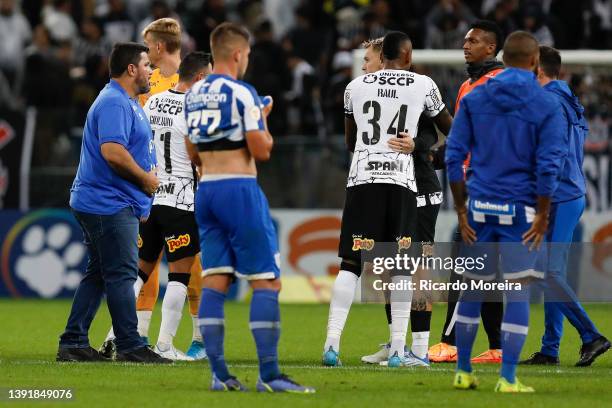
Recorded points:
192,152
550,155
350,132
114,126
122,162
444,121
258,138
350,126
458,144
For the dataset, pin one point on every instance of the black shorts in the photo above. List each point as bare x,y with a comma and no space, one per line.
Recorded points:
376,213
426,223
170,228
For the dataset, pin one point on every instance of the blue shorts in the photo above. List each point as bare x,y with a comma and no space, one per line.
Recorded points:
499,229
236,232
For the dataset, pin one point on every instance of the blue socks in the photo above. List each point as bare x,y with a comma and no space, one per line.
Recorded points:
468,319
212,327
265,326
514,331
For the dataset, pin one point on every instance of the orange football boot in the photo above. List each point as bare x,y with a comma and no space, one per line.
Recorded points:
442,353
488,357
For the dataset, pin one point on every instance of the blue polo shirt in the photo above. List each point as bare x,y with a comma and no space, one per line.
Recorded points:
98,189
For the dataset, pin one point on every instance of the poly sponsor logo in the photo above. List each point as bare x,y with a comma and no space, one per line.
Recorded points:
206,98
392,80
404,242
385,166
176,243
139,241
365,244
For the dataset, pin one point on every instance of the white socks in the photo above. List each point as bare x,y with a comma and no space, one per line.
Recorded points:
137,286
342,298
172,311
400,314
197,334
420,344
144,321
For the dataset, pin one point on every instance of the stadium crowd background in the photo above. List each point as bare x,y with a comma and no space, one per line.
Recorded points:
53,56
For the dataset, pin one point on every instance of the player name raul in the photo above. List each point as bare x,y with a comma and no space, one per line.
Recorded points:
430,285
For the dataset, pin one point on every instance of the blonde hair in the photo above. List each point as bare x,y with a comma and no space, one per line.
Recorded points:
376,44
166,30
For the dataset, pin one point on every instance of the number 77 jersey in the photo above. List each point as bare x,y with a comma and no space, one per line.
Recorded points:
384,104
220,110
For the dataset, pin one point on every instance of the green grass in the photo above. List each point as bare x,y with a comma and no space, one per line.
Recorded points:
30,330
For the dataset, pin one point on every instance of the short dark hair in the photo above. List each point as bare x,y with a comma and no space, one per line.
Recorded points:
391,44
492,28
193,63
519,48
122,55
550,61
222,35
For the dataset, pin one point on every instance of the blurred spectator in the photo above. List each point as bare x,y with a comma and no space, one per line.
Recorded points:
566,22
269,74
91,42
57,18
502,14
533,20
48,87
342,68
118,27
305,39
600,24
281,15
300,114
15,34
212,13
447,24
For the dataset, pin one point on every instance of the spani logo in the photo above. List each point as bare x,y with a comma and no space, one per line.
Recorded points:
42,255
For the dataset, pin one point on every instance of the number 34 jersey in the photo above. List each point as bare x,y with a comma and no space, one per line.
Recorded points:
175,172
384,104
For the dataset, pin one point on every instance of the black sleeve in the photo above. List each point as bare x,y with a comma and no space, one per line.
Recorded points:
427,135
438,157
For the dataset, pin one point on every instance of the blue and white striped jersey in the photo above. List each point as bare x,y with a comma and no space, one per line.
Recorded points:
220,110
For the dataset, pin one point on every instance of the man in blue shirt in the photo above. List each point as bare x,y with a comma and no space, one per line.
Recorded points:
511,127
112,191
567,206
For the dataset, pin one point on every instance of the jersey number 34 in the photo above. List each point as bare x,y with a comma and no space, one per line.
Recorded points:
397,123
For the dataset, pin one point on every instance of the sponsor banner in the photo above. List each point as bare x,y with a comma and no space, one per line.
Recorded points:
11,144
42,254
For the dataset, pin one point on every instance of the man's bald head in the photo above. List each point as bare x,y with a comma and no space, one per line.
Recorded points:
521,50
397,50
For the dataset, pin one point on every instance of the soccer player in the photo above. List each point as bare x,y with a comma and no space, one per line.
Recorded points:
171,225
428,205
480,48
227,122
381,189
163,37
514,175
567,206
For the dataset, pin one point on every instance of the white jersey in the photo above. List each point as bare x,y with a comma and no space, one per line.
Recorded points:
384,104
175,172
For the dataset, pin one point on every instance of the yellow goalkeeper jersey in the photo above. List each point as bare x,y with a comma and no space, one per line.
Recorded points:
159,83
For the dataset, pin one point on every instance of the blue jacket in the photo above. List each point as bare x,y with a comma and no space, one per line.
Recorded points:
514,131
571,178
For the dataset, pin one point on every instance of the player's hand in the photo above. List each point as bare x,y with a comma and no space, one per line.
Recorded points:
268,103
402,144
537,232
467,232
150,183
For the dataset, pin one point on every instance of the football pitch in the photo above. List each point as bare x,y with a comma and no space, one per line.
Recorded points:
30,329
